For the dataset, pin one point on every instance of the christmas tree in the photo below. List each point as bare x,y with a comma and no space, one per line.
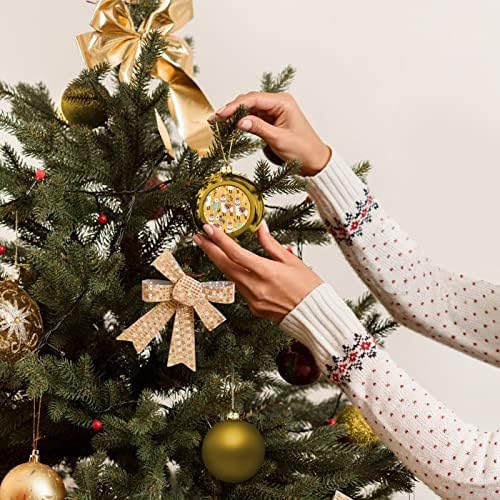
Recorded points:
95,197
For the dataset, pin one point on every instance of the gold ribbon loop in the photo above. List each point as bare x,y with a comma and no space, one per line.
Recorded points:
116,41
182,296
168,266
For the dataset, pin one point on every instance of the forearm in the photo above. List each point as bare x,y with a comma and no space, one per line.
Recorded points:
452,457
447,307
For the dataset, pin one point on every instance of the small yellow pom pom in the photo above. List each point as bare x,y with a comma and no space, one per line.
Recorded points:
357,428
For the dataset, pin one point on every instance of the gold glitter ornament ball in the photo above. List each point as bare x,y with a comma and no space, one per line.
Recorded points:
357,428
21,327
233,451
80,105
32,481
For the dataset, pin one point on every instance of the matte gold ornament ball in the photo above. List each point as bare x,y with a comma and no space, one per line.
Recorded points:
357,428
21,328
80,105
233,451
32,481
230,202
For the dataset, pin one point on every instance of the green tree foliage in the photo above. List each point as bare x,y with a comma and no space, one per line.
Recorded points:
87,278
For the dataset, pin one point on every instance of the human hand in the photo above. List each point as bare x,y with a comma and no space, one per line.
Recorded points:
279,121
271,287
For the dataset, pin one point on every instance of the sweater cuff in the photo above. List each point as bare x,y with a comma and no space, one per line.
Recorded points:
326,325
337,190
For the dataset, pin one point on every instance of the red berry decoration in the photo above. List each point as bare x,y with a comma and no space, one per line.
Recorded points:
97,425
331,422
297,365
102,219
3,249
40,174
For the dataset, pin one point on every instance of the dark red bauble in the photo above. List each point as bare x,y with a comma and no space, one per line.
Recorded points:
159,212
297,365
102,219
40,174
3,249
272,156
155,181
97,425
331,422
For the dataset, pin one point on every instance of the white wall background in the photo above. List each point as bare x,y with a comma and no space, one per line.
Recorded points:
412,86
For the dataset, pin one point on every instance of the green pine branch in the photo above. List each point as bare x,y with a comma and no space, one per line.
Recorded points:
86,278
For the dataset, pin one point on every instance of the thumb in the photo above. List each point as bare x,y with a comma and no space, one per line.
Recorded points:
260,128
271,246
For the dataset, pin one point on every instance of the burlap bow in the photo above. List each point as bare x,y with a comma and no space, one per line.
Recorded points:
117,42
181,296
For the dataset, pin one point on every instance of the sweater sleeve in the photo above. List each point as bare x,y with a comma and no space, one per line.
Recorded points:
455,310
455,459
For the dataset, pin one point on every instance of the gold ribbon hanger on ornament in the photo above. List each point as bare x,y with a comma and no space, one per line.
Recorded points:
181,296
117,42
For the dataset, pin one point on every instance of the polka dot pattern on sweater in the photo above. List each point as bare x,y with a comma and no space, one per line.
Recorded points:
456,459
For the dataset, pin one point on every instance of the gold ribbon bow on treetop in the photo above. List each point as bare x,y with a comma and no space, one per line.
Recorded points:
116,41
182,295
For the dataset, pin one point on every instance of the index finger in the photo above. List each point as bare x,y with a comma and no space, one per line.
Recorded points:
255,101
237,254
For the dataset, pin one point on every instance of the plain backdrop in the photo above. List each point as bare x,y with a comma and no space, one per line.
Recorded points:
412,86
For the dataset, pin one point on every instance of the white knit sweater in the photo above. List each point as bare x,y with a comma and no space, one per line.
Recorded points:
454,458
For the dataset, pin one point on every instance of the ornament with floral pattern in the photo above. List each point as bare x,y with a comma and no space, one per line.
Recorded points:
21,327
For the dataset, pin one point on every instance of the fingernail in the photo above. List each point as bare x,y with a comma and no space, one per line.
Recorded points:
246,124
197,240
220,110
264,226
211,118
208,229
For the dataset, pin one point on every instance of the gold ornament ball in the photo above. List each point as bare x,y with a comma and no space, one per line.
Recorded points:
21,327
80,105
233,451
32,481
357,428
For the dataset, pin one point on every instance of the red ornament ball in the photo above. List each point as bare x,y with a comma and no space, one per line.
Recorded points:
3,249
102,219
159,212
272,156
97,425
331,422
297,365
40,174
156,181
